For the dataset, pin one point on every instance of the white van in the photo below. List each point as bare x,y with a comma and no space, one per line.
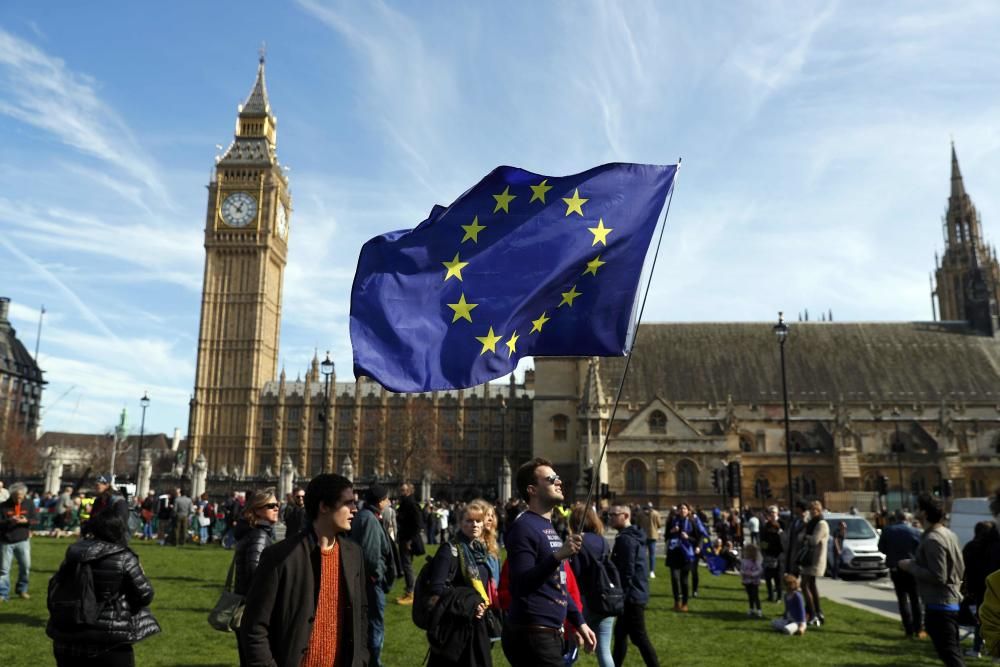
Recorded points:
860,555
965,514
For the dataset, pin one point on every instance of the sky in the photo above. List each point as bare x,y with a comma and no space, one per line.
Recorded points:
815,140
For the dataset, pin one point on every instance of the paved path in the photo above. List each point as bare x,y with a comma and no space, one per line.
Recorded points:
876,596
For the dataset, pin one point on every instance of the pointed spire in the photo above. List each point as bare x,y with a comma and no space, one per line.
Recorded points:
957,185
256,103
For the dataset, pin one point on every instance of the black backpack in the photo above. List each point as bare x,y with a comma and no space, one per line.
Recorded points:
423,601
602,591
71,599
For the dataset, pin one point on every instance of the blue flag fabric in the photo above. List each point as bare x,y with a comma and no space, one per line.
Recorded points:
716,564
519,265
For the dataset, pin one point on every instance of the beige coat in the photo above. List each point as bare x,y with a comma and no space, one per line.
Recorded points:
818,540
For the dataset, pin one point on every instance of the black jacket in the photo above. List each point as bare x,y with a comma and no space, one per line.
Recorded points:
10,530
409,519
248,550
281,604
631,557
122,591
456,636
107,502
294,519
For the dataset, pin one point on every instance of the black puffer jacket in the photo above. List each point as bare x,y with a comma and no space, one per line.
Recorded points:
123,592
248,550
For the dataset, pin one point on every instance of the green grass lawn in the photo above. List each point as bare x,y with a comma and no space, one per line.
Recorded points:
716,632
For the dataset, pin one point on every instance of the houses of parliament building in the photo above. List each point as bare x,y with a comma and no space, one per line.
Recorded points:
918,402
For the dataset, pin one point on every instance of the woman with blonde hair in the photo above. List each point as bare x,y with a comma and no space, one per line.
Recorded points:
261,514
463,621
490,531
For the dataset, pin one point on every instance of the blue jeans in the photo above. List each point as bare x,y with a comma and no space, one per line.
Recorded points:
603,628
8,552
651,545
376,622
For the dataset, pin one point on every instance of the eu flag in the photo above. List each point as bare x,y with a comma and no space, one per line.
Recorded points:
519,265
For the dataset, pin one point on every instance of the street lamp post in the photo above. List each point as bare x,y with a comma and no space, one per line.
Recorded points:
897,448
144,402
503,446
781,332
327,369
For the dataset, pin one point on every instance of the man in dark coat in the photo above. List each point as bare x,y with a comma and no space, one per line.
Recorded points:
107,501
409,529
631,557
295,514
295,613
899,541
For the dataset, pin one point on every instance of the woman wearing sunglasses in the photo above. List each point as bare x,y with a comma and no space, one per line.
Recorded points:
261,514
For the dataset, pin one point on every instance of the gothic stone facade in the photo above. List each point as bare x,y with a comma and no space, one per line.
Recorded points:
916,400
456,438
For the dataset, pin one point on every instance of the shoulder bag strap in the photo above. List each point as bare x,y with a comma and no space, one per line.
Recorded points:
229,577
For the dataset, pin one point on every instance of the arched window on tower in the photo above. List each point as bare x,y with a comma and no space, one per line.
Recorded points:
657,422
635,476
560,424
687,477
746,442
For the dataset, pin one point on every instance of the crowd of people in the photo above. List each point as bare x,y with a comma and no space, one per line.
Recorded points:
318,596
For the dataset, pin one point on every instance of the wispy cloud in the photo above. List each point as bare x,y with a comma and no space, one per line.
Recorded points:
39,90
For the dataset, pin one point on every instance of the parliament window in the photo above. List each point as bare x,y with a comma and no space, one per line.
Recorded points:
560,425
657,422
635,476
687,477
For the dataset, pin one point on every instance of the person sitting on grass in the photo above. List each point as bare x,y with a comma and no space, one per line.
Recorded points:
794,620
751,570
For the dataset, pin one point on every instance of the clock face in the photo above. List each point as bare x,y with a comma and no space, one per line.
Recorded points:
282,222
239,209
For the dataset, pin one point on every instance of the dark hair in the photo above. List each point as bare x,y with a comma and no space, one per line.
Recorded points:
899,516
107,527
591,522
375,494
930,506
985,530
526,475
801,505
326,488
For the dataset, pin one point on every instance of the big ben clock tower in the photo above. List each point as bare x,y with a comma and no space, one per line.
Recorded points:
246,236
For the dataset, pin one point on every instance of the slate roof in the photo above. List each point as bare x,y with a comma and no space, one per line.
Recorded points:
14,357
72,440
256,102
870,361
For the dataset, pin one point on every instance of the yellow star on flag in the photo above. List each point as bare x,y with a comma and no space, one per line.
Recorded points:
454,267
538,191
503,200
489,342
600,232
569,296
593,265
463,309
538,324
512,345
472,231
574,203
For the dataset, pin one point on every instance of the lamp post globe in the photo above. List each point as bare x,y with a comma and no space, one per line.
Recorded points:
144,402
326,367
781,333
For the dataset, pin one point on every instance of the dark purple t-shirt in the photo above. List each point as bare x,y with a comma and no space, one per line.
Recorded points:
537,579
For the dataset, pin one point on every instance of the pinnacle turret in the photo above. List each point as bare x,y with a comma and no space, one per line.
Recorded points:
256,103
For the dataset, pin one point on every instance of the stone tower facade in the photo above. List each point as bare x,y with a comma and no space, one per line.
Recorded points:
246,237
968,275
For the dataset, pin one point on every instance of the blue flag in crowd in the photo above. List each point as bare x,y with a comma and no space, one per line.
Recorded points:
520,265
716,564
